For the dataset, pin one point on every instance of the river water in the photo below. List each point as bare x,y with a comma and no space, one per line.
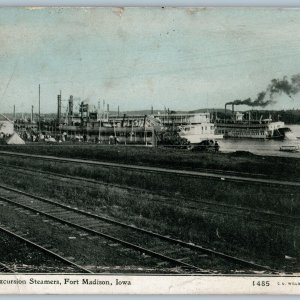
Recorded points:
263,147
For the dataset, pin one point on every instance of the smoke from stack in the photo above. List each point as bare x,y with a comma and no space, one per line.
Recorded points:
276,87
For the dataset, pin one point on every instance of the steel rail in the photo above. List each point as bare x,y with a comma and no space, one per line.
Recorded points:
5,267
43,249
157,235
185,173
109,237
242,209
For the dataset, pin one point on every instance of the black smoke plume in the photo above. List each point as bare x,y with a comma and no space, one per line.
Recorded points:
276,87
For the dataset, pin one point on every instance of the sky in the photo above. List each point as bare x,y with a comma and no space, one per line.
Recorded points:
135,58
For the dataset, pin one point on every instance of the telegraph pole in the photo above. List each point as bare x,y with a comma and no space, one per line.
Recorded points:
39,109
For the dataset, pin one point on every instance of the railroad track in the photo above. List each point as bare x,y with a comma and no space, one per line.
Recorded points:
5,269
175,252
40,248
205,206
182,173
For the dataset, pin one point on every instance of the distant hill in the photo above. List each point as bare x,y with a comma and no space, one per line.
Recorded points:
155,111
202,110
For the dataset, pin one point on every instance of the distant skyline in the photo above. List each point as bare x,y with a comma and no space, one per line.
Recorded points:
182,59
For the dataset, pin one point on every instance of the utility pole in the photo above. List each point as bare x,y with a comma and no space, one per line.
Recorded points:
39,108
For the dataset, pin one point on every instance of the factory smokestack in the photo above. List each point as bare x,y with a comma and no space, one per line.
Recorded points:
31,113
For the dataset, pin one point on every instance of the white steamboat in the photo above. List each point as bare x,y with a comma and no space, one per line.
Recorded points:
195,127
240,127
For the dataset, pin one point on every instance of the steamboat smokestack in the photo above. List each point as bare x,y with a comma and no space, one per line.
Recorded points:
71,106
232,108
58,107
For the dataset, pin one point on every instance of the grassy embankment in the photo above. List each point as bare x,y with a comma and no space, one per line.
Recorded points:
280,167
264,242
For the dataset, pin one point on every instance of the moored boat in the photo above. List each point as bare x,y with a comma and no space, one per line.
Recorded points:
240,127
290,148
195,127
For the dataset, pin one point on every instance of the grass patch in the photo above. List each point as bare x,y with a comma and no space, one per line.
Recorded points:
193,190
275,167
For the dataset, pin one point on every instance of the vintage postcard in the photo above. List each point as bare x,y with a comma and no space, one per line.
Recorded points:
149,150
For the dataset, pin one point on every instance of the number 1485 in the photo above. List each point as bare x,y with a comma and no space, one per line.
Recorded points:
261,283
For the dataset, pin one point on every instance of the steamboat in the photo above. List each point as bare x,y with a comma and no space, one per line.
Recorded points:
101,126
241,125
195,127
